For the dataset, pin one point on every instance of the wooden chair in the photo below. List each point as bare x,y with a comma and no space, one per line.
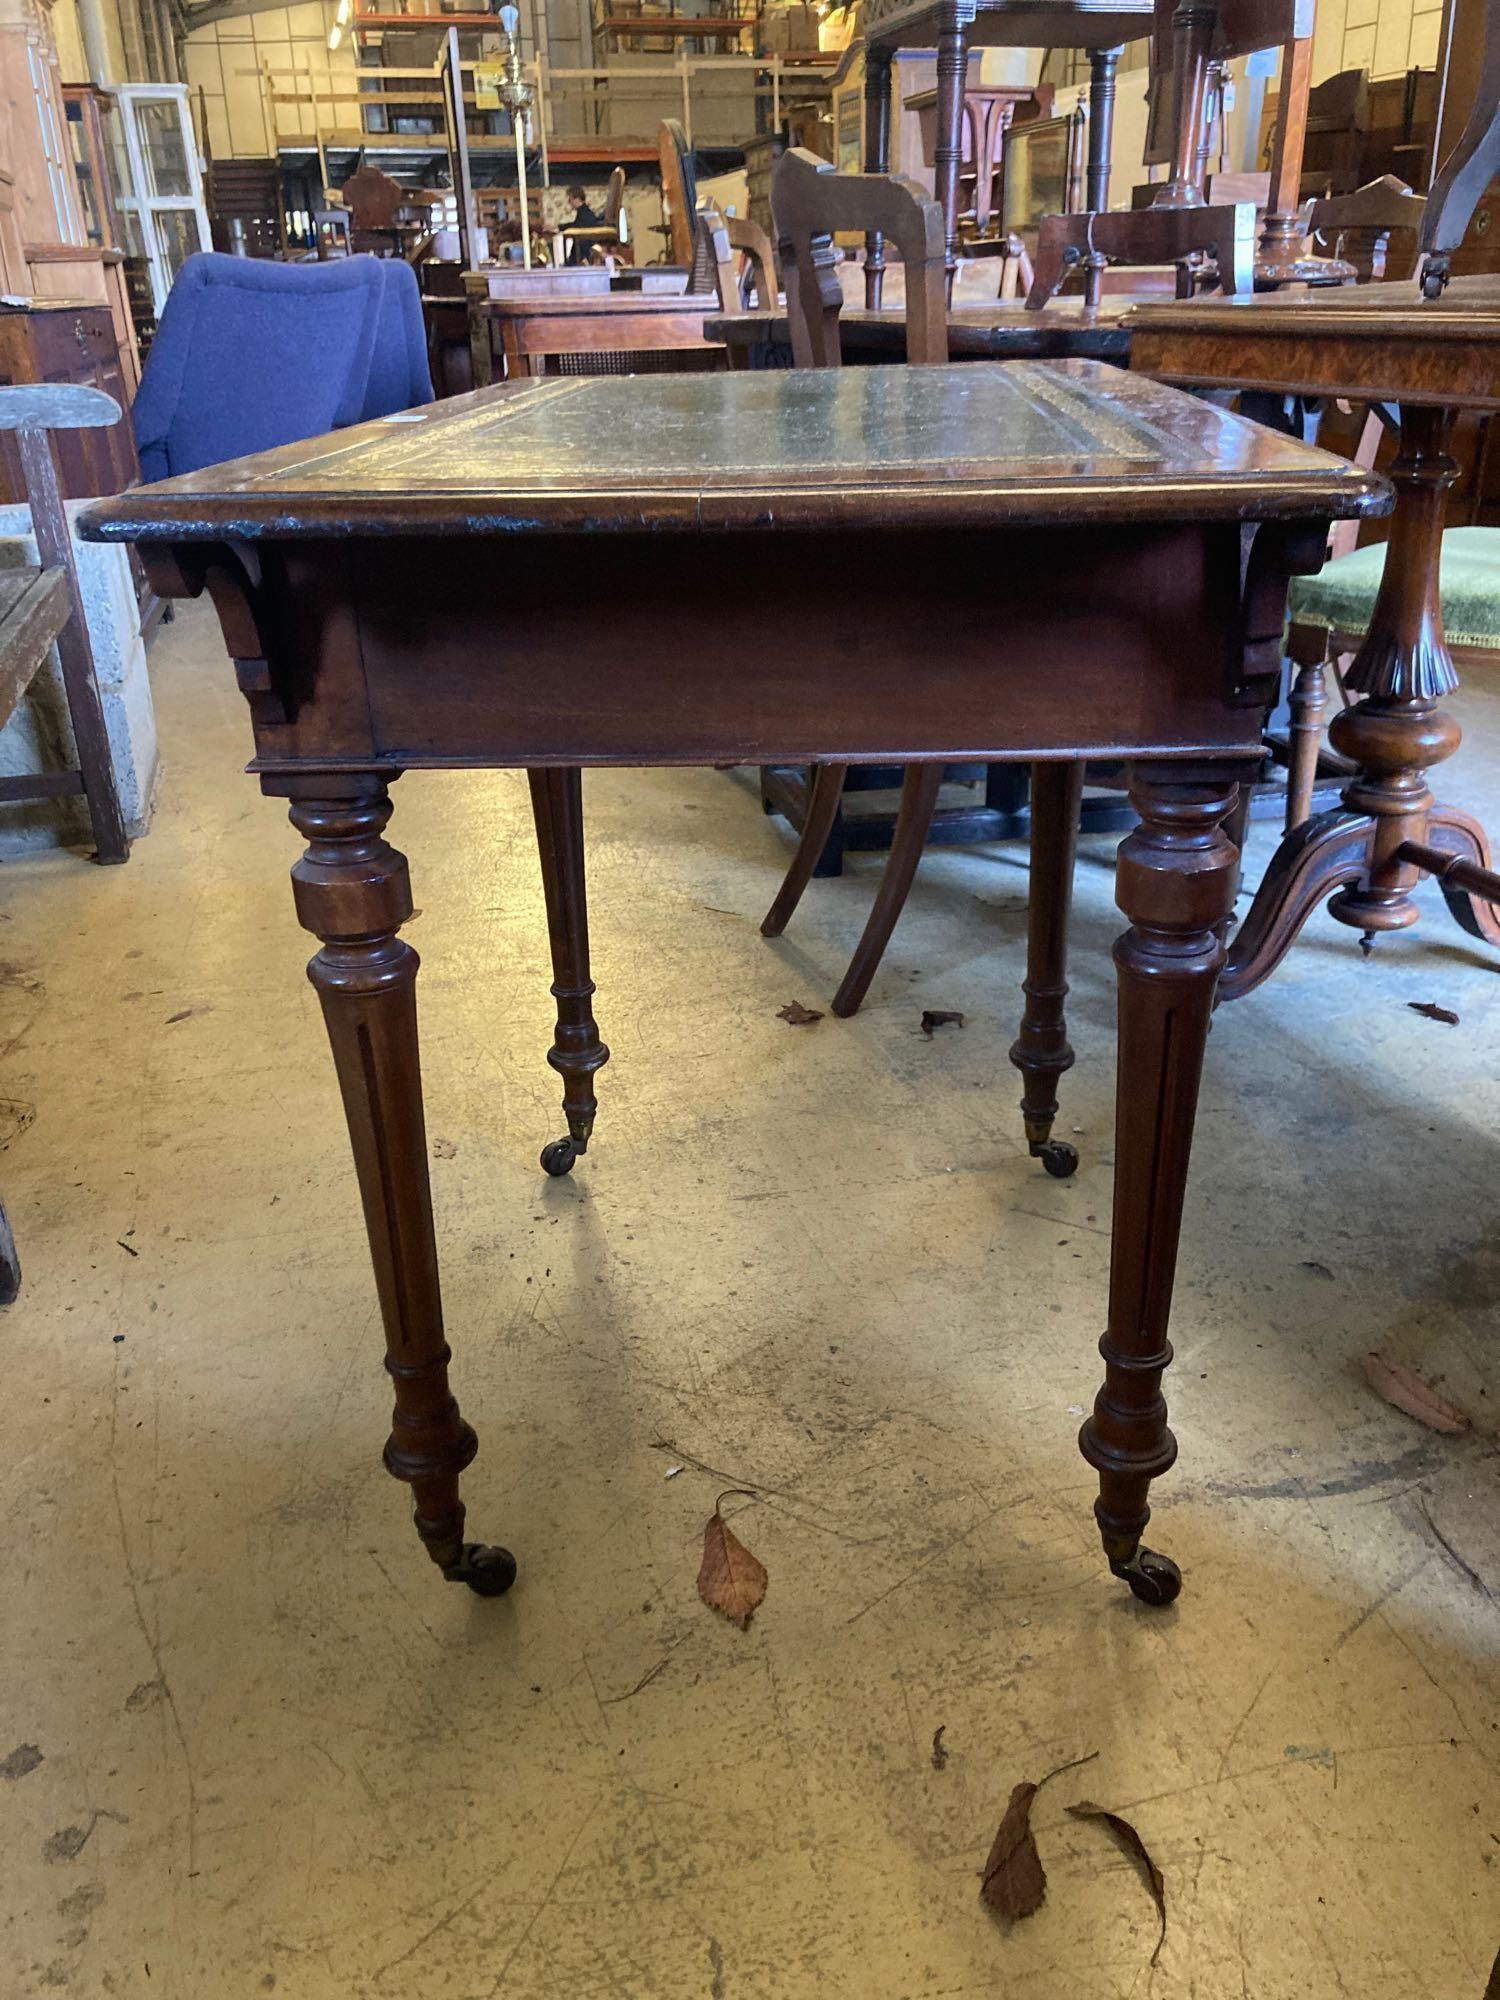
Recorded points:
1358,227
606,234
679,189
41,607
721,241
810,201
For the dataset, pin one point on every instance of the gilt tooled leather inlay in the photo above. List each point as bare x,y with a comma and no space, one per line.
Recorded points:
1027,439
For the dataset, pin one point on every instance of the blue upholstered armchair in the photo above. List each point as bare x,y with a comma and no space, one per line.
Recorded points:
400,378
251,354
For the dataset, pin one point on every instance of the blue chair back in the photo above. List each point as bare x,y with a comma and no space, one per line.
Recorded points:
250,354
399,378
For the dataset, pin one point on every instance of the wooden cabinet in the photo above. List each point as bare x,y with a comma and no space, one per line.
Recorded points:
57,259
58,341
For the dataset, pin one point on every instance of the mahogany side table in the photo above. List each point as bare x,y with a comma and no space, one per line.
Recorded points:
357,577
1374,343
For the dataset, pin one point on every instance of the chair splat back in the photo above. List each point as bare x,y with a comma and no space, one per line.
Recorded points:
810,201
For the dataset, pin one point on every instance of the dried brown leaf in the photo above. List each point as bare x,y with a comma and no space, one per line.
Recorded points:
939,1017
939,1754
1431,1011
796,1015
1129,1839
1014,1881
1408,1392
731,1581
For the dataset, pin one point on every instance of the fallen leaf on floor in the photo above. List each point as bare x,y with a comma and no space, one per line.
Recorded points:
1318,1270
186,1014
1014,1881
1408,1392
731,1581
1431,1011
939,1754
444,1149
1131,1841
796,1015
939,1017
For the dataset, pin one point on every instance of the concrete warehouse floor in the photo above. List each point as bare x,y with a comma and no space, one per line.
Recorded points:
272,1753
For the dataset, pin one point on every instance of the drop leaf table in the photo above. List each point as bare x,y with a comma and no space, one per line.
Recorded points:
359,581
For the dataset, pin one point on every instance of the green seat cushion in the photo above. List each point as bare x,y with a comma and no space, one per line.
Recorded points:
1342,595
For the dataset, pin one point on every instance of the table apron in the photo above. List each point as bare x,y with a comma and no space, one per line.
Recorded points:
794,648
1442,373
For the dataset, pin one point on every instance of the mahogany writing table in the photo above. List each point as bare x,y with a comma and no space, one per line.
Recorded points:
1377,344
359,580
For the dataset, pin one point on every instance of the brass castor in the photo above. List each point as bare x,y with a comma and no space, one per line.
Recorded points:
1153,1578
1057,1156
489,1571
558,1158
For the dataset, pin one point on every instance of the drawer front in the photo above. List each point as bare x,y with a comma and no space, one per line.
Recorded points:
74,346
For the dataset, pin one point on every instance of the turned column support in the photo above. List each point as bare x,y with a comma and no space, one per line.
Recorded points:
948,151
1175,884
352,892
1398,732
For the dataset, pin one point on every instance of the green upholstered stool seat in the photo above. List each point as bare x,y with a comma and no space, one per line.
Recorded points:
1342,595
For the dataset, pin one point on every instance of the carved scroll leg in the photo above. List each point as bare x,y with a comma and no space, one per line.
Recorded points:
823,805
577,1052
1041,1050
352,892
919,795
1455,832
1175,882
1323,855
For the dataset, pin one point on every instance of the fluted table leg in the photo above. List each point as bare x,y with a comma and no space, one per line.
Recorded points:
352,892
1175,884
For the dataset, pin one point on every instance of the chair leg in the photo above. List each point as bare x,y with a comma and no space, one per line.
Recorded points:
10,1263
1041,1051
577,1052
919,795
822,810
1308,648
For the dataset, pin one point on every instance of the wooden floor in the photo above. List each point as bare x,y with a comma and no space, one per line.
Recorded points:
251,1745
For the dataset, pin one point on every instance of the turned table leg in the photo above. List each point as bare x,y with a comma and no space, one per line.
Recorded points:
1041,1051
352,892
577,1052
948,149
1175,884
1102,66
878,57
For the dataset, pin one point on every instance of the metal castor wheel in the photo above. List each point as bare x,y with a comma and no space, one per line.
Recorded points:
487,1570
558,1158
1057,1156
1153,1578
